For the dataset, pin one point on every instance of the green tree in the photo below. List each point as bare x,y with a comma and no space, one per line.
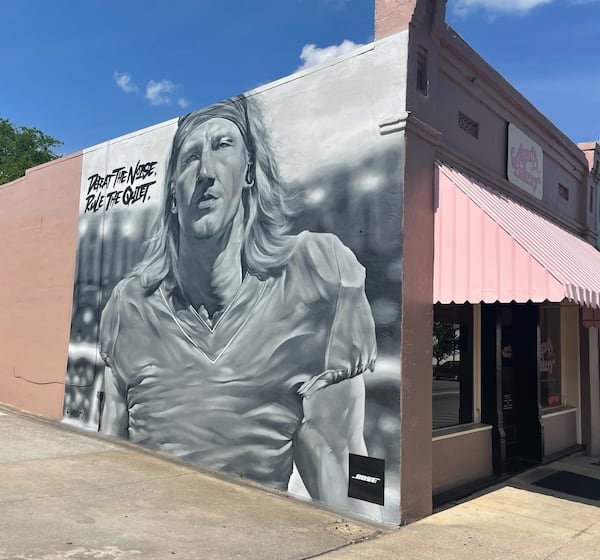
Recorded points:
21,148
445,340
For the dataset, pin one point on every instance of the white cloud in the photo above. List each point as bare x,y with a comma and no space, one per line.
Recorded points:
312,55
125,82
464,7
157,92
160,93
165,92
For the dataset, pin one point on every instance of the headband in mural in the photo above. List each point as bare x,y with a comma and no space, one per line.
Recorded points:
234,110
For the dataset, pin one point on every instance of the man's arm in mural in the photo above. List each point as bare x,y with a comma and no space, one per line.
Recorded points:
115,415
334,400
332,428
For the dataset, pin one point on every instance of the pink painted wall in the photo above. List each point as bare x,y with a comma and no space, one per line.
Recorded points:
39,216
392,16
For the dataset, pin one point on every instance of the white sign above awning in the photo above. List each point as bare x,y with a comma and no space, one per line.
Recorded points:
525,162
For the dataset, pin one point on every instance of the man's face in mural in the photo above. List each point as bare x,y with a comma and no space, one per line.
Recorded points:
210,177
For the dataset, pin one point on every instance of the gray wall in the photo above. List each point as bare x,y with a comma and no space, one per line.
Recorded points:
260,381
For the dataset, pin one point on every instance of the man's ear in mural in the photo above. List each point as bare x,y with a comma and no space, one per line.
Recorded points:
173,199
250,174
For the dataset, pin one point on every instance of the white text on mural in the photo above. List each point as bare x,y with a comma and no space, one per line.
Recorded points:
123,185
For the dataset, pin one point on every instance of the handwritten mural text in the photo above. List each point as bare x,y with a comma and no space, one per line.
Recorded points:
122,186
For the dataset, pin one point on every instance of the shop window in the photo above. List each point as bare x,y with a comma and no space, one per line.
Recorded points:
550,373
452,396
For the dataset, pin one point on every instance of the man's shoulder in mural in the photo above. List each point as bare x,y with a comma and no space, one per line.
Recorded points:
321,258
328,259
319,268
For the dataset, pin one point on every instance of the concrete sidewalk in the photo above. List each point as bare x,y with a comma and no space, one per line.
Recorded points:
68,495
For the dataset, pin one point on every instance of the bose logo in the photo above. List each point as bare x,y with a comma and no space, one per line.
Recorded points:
365,478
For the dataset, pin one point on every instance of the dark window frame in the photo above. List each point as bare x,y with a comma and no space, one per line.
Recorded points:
449,409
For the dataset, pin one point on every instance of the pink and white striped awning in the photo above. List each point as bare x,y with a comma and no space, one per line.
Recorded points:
490,248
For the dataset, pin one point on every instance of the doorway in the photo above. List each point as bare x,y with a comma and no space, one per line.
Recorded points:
510,384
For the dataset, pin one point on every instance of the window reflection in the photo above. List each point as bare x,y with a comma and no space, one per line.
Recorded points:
550,373
452,395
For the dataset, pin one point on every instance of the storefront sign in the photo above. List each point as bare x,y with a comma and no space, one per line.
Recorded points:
525,165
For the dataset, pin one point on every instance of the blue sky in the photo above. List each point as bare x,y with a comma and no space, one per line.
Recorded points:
85,71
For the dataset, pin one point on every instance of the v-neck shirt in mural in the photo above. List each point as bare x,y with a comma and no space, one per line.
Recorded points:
225,396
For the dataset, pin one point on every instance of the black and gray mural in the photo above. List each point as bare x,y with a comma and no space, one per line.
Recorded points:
237,296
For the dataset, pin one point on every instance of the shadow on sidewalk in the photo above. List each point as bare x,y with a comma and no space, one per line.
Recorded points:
575,478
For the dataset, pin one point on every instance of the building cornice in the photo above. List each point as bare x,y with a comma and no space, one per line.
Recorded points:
408,122
469,167
511,100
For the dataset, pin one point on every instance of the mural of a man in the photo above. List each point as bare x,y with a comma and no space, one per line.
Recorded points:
234,344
